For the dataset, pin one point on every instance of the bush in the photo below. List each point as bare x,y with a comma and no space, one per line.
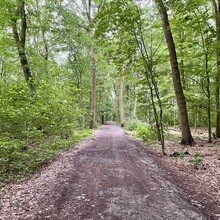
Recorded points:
146,132
18,159
24,115
131,125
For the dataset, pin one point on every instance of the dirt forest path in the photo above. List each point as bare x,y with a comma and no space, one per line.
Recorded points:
109,176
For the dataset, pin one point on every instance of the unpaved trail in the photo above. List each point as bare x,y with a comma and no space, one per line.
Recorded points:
107,177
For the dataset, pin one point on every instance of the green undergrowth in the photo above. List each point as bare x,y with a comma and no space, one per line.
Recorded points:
196,159
148,132
18,159
142,130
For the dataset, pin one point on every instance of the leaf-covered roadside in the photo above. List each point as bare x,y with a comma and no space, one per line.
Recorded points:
200,163
18,160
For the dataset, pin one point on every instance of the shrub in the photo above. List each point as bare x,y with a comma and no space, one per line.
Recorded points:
131,125
18,159
146,132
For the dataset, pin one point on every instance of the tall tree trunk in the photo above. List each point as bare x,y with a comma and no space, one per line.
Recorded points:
216,7
20,40
182,67
93,101
218,72
121,101
116,103
209,101
207,92
135,107
93,54
181,103
46,48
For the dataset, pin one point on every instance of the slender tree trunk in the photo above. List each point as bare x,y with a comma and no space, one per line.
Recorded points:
2,68
209,101
195,118
216,9
150,76
93,103
181,103
135,107
93,55
121,101
218,71
160,115
46,48
207,92
155,113
153,87
20,40
116,103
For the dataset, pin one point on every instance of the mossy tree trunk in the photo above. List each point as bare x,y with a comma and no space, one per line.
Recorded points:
20,40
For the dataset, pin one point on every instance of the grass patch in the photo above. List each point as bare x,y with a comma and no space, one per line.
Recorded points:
18,160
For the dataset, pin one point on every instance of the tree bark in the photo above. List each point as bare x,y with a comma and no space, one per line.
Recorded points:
216,9
121,101
93,55
181,103
182,67
135,107
20,41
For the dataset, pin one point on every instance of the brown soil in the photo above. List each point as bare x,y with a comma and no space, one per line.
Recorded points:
111,176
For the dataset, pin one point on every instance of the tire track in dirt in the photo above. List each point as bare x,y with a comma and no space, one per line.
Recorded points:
108,177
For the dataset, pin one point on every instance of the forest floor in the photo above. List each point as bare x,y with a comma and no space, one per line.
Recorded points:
199,163
110,176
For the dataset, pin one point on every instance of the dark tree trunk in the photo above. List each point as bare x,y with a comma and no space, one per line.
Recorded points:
20,43
103,118
216,7
181,103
